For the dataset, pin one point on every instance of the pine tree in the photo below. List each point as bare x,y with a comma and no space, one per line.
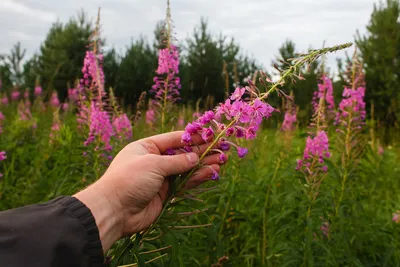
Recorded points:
380,51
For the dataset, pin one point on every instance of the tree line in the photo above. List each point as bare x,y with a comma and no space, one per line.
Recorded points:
211,65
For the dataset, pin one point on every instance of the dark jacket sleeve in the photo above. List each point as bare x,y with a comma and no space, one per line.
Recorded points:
59,233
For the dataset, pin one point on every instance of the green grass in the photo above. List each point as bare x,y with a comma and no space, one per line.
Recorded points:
257,212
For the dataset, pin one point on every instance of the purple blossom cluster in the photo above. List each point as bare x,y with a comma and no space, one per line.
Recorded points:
242,118
166,83
54,101
289,121
315,153
352,102
325,91
93,75
38,91
100,127
122,127
15,94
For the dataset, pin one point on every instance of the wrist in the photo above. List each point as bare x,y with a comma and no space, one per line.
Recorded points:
106,212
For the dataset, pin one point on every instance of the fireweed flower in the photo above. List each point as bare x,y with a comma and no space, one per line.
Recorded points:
396,217
150,117
15,95
122,127
73,94
99,127
4,100
166,82
54,101
289,120
243,121
325,91
26,94
315,153
352,103
38,90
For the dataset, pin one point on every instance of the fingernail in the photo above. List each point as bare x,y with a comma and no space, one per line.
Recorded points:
193,158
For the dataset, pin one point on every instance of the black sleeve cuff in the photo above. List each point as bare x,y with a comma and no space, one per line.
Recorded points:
83,214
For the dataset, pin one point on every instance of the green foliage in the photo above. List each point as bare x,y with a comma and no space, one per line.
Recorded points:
380,51
61,55
136,71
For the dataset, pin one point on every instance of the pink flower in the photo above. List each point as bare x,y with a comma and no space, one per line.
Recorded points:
26,94
325,91
242,152
396,217
73,94
289,120
317,148
2,116
238,93
150,116
4,100
353,101
100,127
215,175
222,158
65,106
123,127
207,133
38,90
54,101
3,155
181,121
15,95
166,82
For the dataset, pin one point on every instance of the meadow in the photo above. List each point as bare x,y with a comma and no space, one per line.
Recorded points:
318,192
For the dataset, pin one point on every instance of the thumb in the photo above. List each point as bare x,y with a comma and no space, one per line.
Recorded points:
177,164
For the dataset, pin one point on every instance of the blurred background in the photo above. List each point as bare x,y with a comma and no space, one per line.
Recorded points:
221,43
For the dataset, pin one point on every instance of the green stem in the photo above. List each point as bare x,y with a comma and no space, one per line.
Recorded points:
265,215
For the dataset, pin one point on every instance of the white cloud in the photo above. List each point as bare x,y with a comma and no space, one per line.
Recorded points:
260,26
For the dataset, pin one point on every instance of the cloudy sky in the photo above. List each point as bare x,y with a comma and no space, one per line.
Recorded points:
260,26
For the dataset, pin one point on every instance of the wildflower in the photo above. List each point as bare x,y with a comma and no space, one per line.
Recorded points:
26,94
352,102
181,121
123,127
65,106
242,152
2,116
73,94
38,90
100,127
238,93
289,120
222,158
315,152
150,116
325,91
54,101
15,95
396,217
4,100
3,155
215,175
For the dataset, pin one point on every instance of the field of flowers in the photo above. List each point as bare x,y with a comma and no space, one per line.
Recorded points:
322,195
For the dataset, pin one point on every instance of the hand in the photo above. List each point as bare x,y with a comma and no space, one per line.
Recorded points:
130,195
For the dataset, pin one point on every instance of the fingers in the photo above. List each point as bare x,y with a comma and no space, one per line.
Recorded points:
170,140
204,174
173,165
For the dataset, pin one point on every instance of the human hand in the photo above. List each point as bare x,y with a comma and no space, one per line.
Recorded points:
130,195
